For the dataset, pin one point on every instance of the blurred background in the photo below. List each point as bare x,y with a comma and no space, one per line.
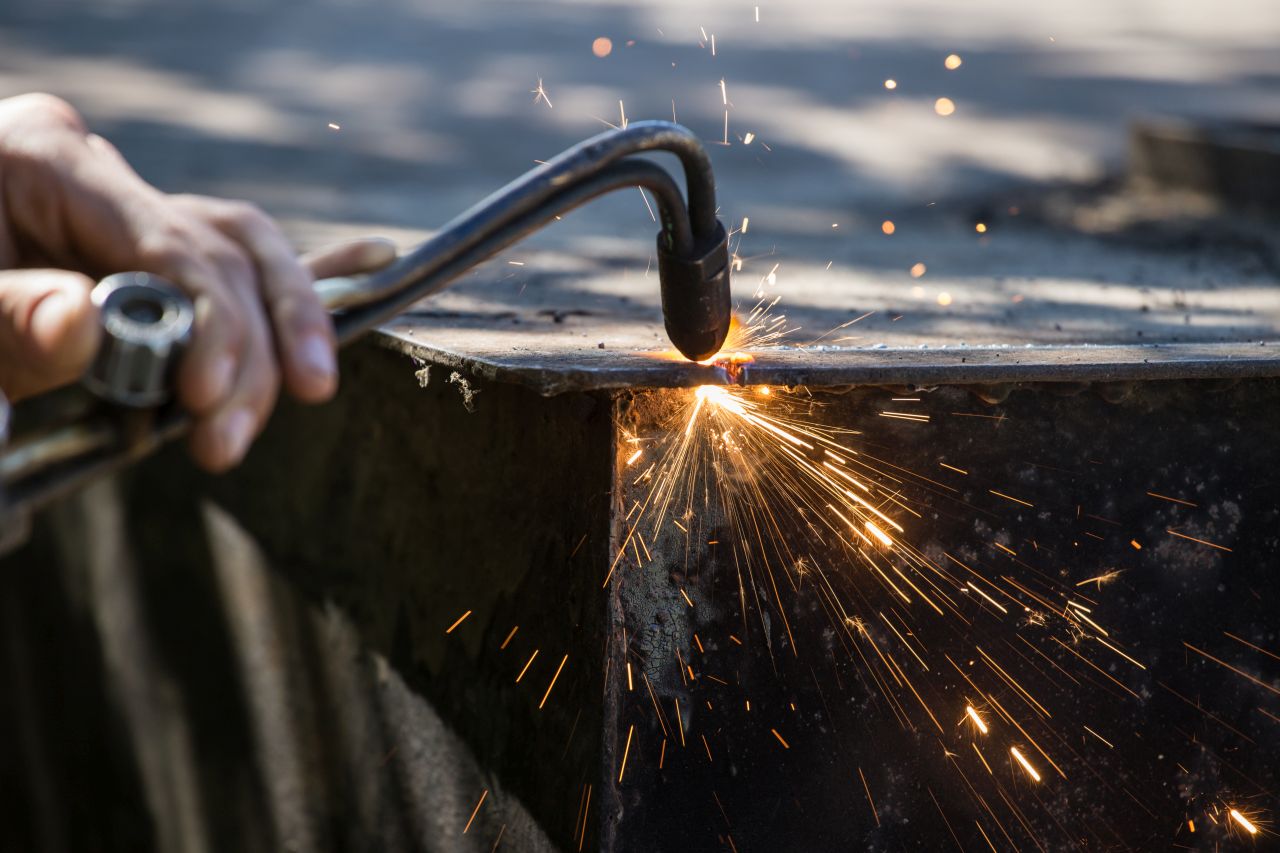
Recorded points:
403,112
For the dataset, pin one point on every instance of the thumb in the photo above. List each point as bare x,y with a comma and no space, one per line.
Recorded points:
48,330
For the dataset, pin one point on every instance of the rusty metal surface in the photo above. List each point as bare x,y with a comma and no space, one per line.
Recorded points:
1029,303
550,372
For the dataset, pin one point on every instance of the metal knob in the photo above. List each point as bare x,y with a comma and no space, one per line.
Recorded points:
146,324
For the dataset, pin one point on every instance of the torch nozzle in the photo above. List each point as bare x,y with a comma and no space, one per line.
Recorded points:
695,295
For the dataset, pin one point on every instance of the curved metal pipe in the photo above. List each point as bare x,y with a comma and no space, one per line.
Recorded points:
436,272
72,456
538,187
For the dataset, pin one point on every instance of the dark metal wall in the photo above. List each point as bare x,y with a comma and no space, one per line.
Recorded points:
1182,739
265,662
261,662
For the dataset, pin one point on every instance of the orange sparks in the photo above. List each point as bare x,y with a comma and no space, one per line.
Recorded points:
918,270
1199,541
1243,821
461,619
1136,545
867,788
602,47
954,468
781,740
1026,765
1105,577
625,752
878,534
1010,498
528,664
981,228
1104,740
546,695
888,227
634,456
1236,670
508,639
686,596
1171,500
977,721
475,811
333,125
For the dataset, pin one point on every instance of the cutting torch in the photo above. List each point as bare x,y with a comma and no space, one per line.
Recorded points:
124,410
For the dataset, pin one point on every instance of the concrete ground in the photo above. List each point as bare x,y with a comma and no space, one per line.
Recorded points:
402,112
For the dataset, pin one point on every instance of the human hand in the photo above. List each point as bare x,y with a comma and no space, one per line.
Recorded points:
72,210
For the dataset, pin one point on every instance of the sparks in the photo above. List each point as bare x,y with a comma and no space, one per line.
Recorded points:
459,621
977,721
1026,765
1243,821
540,95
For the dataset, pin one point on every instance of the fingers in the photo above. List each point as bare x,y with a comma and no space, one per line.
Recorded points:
303,332
71,200
48,330
294,331
229,379
350,258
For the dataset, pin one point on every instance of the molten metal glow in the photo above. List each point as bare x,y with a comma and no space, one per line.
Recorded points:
977,721
1026,765
1244,822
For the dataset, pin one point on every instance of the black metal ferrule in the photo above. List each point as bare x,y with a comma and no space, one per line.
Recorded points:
696,304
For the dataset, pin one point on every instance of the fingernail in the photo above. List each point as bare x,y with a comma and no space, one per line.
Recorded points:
377,253
315,355
237,431
221,375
